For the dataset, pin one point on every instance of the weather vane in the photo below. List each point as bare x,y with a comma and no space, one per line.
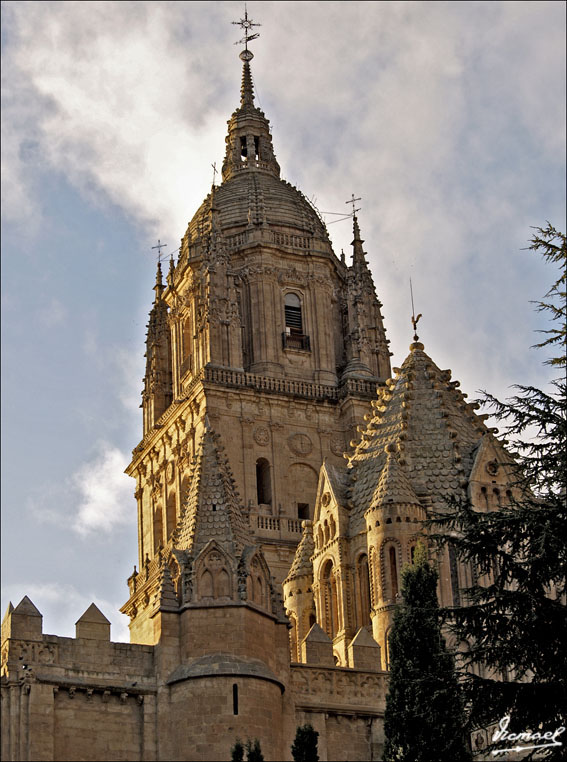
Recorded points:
159,247
247,25
353,201
414,319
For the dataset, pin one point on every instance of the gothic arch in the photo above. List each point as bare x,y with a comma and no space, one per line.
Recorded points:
390,566
293,644
374,576
263,482
258,587
187,332
363,596
332,527
158,527
213,574
171,513
329,598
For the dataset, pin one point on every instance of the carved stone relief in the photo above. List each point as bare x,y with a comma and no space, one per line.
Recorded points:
300,444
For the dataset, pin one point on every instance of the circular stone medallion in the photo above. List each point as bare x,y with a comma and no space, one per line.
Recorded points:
337,445
300,444
261,435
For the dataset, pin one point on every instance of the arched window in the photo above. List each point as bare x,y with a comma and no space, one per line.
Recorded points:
170,514
223,584
206,586
293,638
332,527
187,344
326,531
158,528
393,571
263,482
363,580
319,537
259,591
293,316
387,644
329,590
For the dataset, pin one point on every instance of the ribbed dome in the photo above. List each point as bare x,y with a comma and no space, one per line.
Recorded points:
258,198
252,194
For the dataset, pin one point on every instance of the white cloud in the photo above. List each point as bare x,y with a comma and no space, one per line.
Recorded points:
129,368
448,119
52,314
105,492
86,90
61,605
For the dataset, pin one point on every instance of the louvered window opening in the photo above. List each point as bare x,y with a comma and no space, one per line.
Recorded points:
293,319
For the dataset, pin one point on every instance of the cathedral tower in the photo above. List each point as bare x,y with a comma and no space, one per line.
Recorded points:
262,329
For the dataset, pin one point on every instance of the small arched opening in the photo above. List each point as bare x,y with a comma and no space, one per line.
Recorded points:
393,568
263,482
330,608
363,584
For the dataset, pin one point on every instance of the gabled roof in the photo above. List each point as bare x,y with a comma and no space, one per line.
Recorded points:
212,510
338,482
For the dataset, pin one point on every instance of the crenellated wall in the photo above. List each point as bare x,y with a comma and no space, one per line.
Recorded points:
87,698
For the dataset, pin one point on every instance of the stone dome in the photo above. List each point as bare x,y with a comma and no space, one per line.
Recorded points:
256,197
252,194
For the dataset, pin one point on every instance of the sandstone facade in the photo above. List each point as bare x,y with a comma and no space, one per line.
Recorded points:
266,356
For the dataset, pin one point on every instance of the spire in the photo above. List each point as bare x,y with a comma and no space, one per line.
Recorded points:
247,88
358,256
212,509
302,566
158,288
393,485
157,393
249,142
171,273
423,420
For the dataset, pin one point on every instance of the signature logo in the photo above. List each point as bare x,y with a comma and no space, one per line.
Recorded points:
528,739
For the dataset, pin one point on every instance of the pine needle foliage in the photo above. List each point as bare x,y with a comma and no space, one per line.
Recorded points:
253,751
551,245
515,623
304,747
237,752
424,719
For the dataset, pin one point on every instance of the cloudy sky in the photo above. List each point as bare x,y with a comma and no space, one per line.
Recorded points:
447,118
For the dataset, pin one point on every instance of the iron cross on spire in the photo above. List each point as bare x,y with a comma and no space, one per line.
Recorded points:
159,247
247,25
353,201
